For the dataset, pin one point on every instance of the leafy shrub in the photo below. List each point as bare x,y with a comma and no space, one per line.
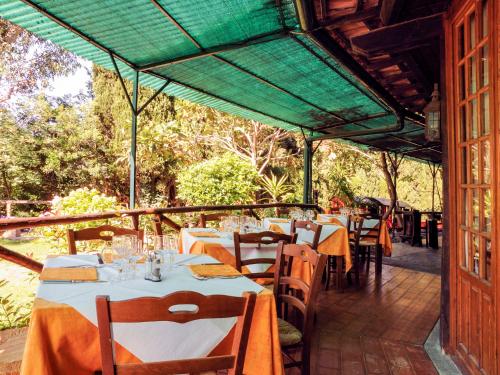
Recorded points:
218,181
12,315
80,201
276,188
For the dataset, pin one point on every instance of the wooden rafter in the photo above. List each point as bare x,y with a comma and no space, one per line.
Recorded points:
350,18
390,11
403,36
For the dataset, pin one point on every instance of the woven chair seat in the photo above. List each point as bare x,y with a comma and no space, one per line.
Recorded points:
289,334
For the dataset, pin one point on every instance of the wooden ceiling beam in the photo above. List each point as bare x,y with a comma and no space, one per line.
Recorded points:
400,37
420,75
398,77
336,22
383,64
390,10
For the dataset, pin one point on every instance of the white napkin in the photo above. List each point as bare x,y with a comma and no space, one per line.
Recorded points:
79,260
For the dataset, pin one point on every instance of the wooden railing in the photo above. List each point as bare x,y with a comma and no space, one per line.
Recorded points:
159,215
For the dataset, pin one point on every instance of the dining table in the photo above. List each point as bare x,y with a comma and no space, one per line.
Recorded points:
63,335
384,239
384,247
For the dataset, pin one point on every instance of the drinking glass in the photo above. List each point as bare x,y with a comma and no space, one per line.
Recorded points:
309,214
123,247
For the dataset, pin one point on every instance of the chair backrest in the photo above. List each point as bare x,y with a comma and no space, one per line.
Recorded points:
205,218
309,226
104,233
294,293
355,228
371,233
152,309
261,238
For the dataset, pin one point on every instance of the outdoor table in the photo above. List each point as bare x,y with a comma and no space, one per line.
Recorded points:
220,245
332,241
63,335
384,239
385,242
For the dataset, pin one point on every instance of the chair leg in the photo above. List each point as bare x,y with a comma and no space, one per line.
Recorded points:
356,268
340,261
328,272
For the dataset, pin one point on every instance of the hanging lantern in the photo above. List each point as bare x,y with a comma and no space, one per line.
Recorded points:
432,113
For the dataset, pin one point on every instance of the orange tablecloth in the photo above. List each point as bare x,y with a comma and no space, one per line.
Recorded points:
337,244
384,239
61,341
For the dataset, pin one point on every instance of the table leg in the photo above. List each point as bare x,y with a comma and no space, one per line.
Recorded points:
378,260
339,260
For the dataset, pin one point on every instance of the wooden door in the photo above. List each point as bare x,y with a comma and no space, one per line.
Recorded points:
473,145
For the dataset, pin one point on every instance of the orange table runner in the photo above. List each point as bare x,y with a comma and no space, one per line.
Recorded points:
61,341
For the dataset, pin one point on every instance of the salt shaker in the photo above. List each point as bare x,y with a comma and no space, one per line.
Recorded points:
153,265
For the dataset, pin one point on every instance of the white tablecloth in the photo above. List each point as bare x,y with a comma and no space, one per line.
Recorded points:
152,341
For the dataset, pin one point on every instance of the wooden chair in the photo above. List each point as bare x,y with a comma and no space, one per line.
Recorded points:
151,309
261,238
301,305
205,218
308,226
355,229
99,233
370,237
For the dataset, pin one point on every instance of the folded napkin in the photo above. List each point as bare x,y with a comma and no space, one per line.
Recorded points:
213,270
78,260
279,220
205,234
69,274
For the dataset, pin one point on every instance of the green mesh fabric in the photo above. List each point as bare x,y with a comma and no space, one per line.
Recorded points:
285,80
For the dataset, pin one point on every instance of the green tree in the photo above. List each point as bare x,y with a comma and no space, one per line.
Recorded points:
27,63
221,180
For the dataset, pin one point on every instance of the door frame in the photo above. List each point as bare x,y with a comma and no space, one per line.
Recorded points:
449,310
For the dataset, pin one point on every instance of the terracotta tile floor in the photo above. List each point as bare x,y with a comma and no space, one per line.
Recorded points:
378,329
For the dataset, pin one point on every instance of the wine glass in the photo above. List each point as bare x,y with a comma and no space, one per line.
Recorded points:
123,247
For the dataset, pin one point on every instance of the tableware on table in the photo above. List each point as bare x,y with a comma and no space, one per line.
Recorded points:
123,248
296,214
165,247
309,215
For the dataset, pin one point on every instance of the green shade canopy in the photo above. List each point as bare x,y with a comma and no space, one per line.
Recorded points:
245,57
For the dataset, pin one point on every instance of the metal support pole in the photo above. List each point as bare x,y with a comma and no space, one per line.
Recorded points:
308,155
133,141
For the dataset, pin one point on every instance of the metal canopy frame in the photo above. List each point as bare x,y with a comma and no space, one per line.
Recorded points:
314,35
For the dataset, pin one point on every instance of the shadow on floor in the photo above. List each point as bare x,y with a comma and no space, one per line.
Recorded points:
416,258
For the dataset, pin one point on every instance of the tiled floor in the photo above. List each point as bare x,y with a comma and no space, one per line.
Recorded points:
378,329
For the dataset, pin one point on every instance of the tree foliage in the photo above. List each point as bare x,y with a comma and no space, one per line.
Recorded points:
219,181
28,63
